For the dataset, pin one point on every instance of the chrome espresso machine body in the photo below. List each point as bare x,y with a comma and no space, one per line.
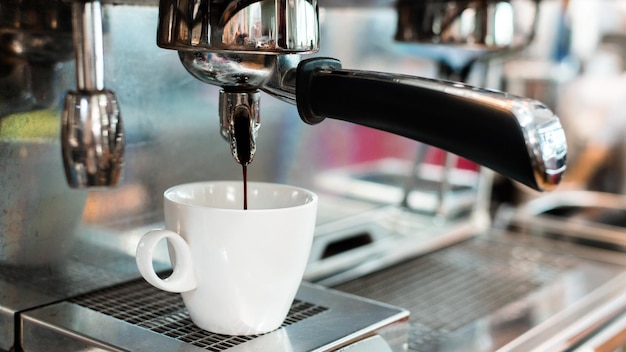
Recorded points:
97,120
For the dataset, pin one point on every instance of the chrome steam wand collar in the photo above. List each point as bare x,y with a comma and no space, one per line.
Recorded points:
92,138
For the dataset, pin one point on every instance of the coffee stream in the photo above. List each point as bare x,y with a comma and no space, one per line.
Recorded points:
244,169
243,144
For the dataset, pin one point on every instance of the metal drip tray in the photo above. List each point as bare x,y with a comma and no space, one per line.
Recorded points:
138,317
501,294
165,313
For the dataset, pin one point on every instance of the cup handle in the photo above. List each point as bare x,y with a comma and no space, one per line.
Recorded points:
182,278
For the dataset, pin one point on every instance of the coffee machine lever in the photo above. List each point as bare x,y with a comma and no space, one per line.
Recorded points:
246,46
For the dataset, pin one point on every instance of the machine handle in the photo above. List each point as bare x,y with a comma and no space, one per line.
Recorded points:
517,137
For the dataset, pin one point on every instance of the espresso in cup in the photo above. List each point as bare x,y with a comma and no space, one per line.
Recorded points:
237,270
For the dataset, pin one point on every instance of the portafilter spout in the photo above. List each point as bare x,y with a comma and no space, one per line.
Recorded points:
240,122
517,137
227,42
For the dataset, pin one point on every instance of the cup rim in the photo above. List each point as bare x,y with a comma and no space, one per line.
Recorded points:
313,196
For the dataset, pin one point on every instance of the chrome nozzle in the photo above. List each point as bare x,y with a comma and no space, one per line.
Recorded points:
240,123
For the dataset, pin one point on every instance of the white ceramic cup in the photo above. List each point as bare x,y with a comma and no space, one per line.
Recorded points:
237,270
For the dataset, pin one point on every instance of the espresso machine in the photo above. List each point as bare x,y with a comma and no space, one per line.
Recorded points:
105,104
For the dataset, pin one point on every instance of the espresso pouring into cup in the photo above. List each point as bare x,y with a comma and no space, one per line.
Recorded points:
237,270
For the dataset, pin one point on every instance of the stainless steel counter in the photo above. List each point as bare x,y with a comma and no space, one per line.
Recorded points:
497,291
467,288
134,316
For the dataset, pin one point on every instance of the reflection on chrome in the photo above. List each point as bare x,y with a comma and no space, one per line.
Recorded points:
239,26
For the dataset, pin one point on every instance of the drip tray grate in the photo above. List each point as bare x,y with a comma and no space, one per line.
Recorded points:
140,304
134,316
455,286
